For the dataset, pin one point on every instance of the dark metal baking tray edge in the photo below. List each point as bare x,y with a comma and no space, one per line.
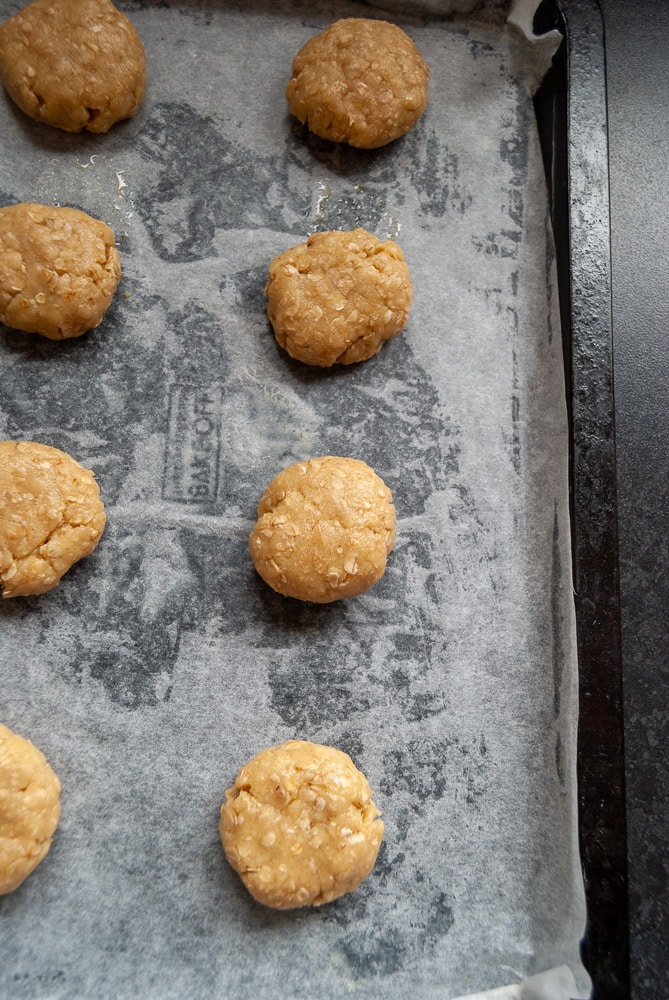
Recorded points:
572,115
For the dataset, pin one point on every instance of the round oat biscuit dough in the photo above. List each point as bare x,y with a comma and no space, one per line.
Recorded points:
360,81
324,531
74,64
299,825
337,298
29,808
51,515
59,269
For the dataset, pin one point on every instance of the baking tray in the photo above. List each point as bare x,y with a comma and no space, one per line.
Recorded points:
572,116
570,113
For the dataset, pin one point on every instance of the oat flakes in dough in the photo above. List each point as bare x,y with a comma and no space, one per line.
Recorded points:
360,81
299,825
74,64
51,515
337,298
324,531
59,270
29,808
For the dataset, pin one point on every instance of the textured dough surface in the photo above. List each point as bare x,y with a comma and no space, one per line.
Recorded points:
324,530
338,297
59,270
360,81
29,808
51,515
299,825
75,64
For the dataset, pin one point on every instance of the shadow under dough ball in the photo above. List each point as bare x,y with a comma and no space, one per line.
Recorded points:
360,81
59,269
324,531
299,825
51,516
337,298
73,64
29,808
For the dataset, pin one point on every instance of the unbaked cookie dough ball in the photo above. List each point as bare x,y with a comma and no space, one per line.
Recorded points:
51,515
29,808
75,64
299,825
324,530
59,270
337,298
360,81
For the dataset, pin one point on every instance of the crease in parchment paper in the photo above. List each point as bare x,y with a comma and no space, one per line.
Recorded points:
554,984
161,663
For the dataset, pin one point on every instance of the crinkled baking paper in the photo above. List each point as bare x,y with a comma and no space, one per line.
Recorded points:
162,662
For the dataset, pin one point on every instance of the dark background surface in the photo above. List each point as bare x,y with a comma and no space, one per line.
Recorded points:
637,71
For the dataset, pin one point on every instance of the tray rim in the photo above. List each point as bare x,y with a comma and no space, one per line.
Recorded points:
571,111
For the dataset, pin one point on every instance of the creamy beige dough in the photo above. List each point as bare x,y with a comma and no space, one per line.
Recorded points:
299,825
29,808
324,531
59,270
74,64
360,81
51,515
337,298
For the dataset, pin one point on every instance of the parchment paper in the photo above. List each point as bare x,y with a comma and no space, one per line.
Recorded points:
162,663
